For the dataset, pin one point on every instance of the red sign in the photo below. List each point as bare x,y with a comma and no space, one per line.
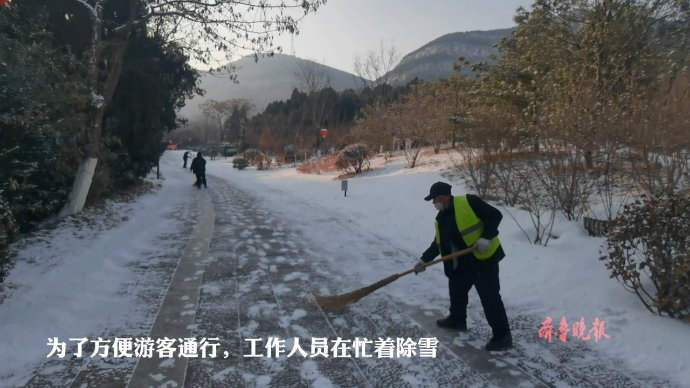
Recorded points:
323,133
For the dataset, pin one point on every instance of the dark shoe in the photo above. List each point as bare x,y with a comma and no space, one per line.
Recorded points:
452,323
499,345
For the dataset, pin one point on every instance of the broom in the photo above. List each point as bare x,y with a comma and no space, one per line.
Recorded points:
340,301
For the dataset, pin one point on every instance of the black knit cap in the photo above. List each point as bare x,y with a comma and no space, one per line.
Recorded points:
438,188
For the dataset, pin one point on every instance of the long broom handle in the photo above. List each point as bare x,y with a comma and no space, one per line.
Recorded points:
444,258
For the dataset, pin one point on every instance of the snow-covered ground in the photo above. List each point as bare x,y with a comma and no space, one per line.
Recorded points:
86,279
564,279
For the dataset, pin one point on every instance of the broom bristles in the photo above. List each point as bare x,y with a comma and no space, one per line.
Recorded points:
340,301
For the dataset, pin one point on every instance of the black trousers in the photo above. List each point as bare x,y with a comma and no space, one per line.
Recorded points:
200,178
485,280
185,163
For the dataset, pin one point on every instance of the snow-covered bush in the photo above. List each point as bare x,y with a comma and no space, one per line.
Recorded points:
649,252
251,155
354,156
240,163
289,149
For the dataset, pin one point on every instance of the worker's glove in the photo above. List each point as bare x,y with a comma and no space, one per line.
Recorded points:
482,245
418,267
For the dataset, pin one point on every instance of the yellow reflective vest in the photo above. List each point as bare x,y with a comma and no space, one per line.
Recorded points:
471,228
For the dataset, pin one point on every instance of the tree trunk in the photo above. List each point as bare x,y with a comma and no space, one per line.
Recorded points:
455,134
80,188
589,163
82,182
535,131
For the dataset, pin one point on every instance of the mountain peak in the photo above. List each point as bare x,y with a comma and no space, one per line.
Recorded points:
264,81
272,78
435,59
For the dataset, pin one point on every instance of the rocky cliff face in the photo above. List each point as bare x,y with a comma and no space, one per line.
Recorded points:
435,59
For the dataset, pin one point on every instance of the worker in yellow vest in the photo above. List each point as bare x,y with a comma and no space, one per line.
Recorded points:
462,222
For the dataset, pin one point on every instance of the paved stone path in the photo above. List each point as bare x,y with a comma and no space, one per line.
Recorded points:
555,364
258,285
257,282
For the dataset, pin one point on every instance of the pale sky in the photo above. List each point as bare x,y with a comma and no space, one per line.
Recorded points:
343,28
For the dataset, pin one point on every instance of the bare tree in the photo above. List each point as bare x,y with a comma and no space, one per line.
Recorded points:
477,164
376,68
376,127
609,179
217,112
487,128
539,204
660,152
508,177
413,128
433,102
314,80
210,130
311,77
563,176
197,26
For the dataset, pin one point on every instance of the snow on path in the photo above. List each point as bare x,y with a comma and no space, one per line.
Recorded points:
81,281
248,273
383,225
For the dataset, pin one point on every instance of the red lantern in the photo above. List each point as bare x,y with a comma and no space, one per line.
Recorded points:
323,133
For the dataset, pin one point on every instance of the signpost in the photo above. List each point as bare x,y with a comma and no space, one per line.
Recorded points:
344,186
323,132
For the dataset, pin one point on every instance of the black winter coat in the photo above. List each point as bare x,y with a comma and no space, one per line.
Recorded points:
198,165
448,228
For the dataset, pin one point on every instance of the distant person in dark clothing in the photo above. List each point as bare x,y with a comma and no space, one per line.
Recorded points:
462,222
198,167
185,157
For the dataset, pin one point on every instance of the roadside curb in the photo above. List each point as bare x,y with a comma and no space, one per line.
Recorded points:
179,307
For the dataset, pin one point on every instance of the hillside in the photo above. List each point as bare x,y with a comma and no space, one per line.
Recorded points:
273,79
265,81
435,59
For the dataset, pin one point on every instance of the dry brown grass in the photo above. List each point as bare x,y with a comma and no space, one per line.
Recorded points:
351,174
442,150
430,153
325,164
